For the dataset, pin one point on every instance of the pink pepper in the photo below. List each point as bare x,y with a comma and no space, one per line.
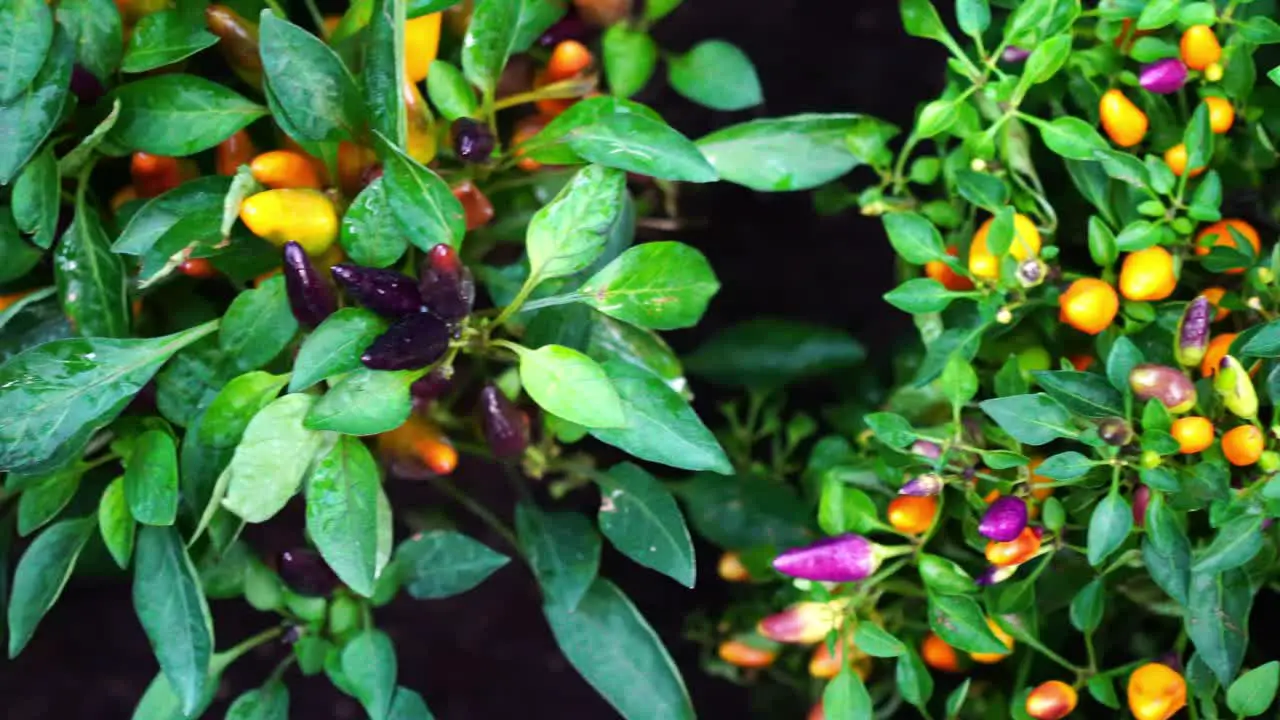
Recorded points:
804,622
1015,54
845,558
925,485
1004,520
1163,76
926,449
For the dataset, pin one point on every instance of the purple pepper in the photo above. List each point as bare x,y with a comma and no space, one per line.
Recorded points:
412,342
926,485
996,574
1015,54
1005,519
1141,499
447,286
310,297
472,141
86,86
306,573
569,27
430,386
1163,76
926,449
506,428
386,292
1193,332
844,558
1115,431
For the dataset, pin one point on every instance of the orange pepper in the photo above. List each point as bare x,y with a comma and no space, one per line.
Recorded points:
233,152
1123,122
282,169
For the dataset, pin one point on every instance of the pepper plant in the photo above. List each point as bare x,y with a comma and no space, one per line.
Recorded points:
1072,475
257,257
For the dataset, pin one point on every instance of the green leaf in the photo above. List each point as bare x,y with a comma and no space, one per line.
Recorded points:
1260,30
342,512
383,75
421,202
96,31
370,233
91,278
1072,138
1265,342
891,429
944,576
630,56
639,144
959,621
1109,527
191,381
270,702
228,414
658,285
36,109
271,459
36,198
1082,393
956,699
566,383
716,74
1253,692
418,8
1158,13
1065,466
973,17
1046,59
958,382
799,152
41,502
1198,138
40,576
26,34
1030,419
1217,620
1121,361
160,703
315,91
173,612
659,426
920,19
116,523
772,352
21,257
163,38
1088,606
846,696
258,325
369,663
179,114
913,679
550,146
450,92
642,521
74,161
193,210
536,18
982,189
744,511
442,563
842,508
55,396
877,642
489,39
1102,690
1236,543
569,233
365,402
335,347
1102,242
409,705
920,295
562,549
609,643
151,479
913,237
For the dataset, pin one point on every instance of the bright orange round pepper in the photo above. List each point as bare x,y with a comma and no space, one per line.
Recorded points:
1176,158
912,515
1123,122
1243,445
1148,274
1219,234
1014,552
1193,433
283,169
1156,692
1199,47
1026,244
938,655
950,279
1222,115
1053,700
1088,305
422,440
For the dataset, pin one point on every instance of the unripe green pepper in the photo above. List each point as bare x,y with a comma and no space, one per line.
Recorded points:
1236,388
344,616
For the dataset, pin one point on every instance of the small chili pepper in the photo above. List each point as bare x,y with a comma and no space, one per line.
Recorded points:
198,268
447,287
1199,47
1233,385
1219,233
1115,431
421,43
1148,275
995,575
1053,700
804,623
824,665
233,152
156,174
386,292
1215,295
306,573
1026,244
86,86
1004,637
845,558
354,161
310,297
1176,158
1015,54
1163,76
927,449
1140,501
475,205
926,485
1218,347
430,386
283,169
472,140
942,272
1016,551
237,41
912,515
1243,445
1004,520
1089,305
1173,389
1193,433
1222,115
420,137
506,427
748,652
1156,692
1192,336
307,217
424,442
938,655
414,341
1123,122
731,569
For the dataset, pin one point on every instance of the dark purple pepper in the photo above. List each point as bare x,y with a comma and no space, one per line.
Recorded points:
1163,76
1115,431
310,297
448,290
412,342
1141,499
1004,520
1193,332
506,428
472,141
386,292
996,574
926,485
86,86
430,386
306,573
569,27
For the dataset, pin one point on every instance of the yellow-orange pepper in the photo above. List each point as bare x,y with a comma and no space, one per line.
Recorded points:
1014,552
1156,692
731,569
1088,305
1222,115
912,515
746,655
1026,244
938,655
1123,122
1053,700
422,440
282,169
824,665
421,43
420,132
1148,274
1176,158
1199,47
306,217
1004,637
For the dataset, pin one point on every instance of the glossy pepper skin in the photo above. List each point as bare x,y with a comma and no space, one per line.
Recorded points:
1026,244
938,655
1199,47
731,569
282,169
1163,76
156,174
422,441
233,152
1123,122
1236,390
307,217
310,297
237,41
386,292
804,623
845,558
1053,700
1016,551
1243,445
473,142
1156,692
743,654
1088,305
1191,340
306,573
1148,274
1173,389
1219,233
475,204
420,134
421,43
414,341
1002,636
447,286
506,428
1004,520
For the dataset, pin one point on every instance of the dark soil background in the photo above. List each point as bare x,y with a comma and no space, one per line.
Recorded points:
488,653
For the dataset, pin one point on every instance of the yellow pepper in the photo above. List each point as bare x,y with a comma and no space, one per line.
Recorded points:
421,137
421,42
306,217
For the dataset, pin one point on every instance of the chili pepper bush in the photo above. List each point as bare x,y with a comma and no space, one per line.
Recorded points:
1062,505
258,257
